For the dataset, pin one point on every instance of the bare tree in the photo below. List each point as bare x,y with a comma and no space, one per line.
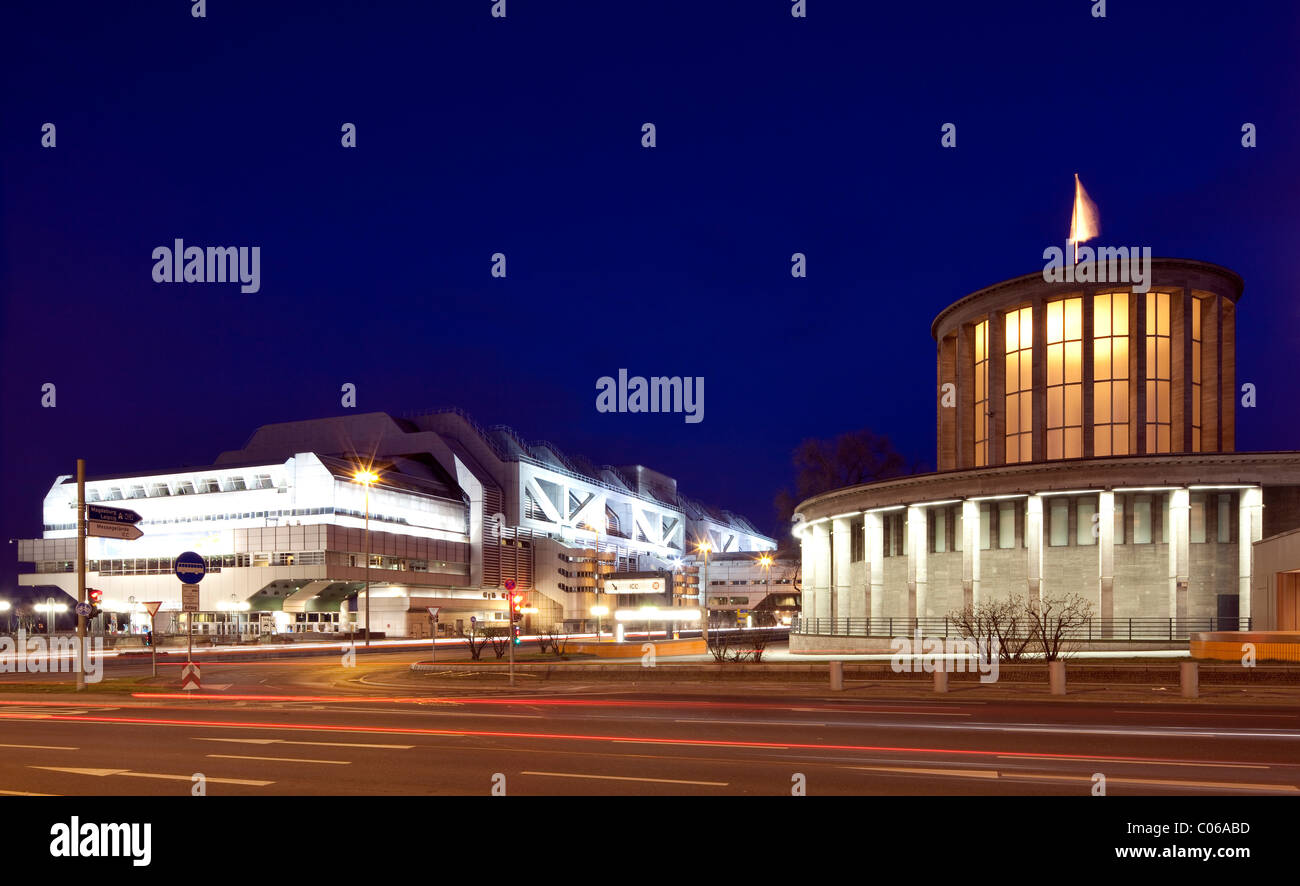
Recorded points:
500,640
475,641
720,645
1056,622
760,641
1001,624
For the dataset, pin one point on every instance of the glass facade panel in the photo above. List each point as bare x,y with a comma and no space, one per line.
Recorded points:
1086,521
1159,372
1110,373
981,393
1019,385
1007,525
1197,369
1059,513
1065,378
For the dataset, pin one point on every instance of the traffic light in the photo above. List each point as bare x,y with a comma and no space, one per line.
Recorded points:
516,605
94,595
518,642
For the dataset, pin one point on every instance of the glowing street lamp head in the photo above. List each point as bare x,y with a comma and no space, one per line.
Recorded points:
704,547
765,560
366,477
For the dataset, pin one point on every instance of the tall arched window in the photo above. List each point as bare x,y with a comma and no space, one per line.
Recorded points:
1020,385
1110,373
1065,378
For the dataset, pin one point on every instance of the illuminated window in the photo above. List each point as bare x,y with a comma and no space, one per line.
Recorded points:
1159,402
1019,385
981,393
1196,375
1065,378
1110,373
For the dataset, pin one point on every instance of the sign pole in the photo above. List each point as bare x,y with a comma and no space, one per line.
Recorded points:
153,640
81,574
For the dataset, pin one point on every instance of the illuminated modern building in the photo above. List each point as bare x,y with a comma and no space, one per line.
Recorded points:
1085,445
458,510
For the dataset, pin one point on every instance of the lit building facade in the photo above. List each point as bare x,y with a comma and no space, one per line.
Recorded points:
458,510
1085,445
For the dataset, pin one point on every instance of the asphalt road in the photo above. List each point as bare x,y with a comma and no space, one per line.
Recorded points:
306,726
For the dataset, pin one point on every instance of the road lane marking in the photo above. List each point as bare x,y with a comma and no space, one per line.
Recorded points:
41,747
1205,714
101,773
557,736
693,743
329,744
1225,785
278,759
1158,762
753,722
25,794
716,784
915,770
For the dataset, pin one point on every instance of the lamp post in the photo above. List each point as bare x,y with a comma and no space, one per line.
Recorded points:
704,547
765,561
366,478
6,607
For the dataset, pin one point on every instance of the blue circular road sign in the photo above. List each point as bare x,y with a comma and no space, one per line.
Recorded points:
83,609
190,568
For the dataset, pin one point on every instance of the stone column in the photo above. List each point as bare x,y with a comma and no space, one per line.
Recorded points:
874,527
808,571
970,553
822,569
1250,527
1180,509
1106,555
1034,545
917,549
840,554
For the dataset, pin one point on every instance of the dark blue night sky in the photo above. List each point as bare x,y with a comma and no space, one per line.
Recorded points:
522,136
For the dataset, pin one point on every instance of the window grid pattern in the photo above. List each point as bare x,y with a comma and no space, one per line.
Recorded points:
1159,424
1110,410
1019,385
981,393
1196,375
1065,378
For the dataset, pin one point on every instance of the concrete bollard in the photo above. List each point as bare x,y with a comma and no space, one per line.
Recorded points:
941,677
1187,675
1056,677
837,676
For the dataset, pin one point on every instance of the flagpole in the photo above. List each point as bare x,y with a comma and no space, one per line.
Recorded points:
1075,226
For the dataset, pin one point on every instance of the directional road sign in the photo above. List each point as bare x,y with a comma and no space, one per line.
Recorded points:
190,676
190,568
105,529
107,514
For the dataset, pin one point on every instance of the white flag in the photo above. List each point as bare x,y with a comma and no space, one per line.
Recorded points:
1084,223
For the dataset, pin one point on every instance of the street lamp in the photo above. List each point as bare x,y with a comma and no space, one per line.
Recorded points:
6,607
598,611
765,561
366,479
704,547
